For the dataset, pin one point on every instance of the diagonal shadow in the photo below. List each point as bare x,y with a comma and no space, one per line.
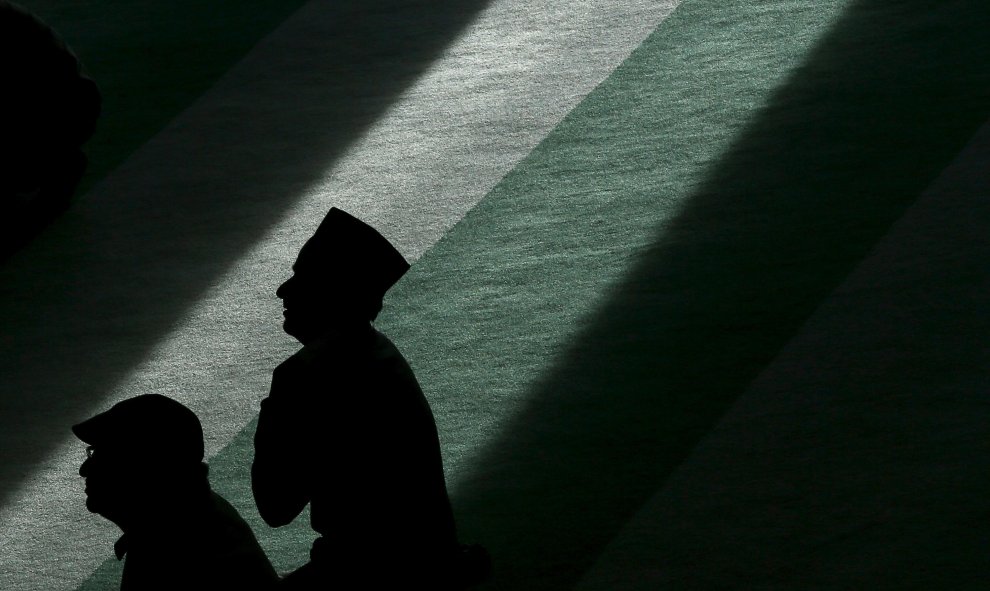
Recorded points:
885,100
151,61
96,267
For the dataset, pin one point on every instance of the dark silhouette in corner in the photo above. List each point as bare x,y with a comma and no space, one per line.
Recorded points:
48,110
347,429
144,471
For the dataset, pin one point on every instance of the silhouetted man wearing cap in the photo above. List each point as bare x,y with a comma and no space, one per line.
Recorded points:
347,429
144,471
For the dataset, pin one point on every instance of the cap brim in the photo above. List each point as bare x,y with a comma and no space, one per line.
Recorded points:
90,431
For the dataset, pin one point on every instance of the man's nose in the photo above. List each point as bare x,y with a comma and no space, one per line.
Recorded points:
84,468
283,289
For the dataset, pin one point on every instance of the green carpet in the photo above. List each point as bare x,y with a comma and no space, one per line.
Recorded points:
605,304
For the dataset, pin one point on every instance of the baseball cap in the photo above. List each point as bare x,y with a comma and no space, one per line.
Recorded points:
147,425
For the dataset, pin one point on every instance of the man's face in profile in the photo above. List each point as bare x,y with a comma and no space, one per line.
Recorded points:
306,307
110,492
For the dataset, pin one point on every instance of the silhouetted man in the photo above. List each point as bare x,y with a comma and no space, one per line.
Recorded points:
144,471
347,429
48,109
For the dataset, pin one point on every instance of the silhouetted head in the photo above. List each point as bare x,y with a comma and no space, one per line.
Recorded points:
143,453
339,277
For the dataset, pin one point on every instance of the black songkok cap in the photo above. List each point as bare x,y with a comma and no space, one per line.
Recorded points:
349,252
150,425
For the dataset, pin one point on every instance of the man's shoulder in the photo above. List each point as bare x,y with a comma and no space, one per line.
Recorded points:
231,550
334,351
231,532
213,522
310,356
294,362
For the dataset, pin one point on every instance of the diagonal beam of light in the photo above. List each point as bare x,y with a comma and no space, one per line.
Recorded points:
482,106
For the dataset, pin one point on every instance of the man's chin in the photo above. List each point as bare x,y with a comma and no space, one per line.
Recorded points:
112,513
93,506
290,328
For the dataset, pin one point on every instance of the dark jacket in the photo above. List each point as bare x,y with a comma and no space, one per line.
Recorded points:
202,544
346,428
